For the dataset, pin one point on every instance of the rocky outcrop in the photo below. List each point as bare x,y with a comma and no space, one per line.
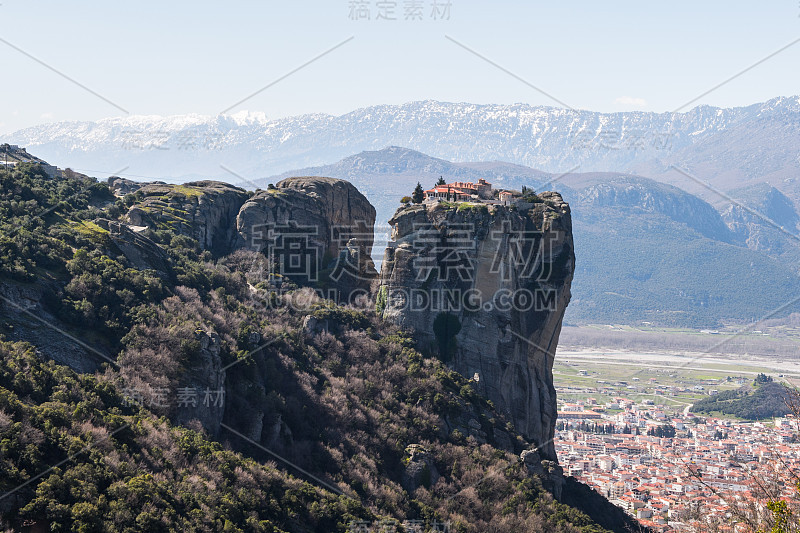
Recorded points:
420,470
486,287
121,186
763,219
201,395
551,474
318,231
203,210
24,317
648,196
141,252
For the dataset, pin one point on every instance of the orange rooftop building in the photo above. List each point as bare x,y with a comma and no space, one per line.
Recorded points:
461,191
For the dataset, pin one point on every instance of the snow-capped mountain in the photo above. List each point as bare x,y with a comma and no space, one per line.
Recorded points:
718,142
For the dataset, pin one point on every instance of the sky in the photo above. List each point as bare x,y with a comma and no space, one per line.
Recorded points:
87,60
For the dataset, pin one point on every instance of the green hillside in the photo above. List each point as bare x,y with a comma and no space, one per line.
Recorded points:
353,408
633,266
759,401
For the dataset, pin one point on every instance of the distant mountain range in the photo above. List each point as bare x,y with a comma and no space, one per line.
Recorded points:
729,148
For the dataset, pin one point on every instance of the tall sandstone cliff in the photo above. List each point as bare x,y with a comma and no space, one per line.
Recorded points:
486,287
203,210
320,231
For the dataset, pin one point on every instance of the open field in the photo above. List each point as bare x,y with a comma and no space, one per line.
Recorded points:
767,339
674,379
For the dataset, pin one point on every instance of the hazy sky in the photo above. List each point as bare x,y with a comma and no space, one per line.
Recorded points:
176,57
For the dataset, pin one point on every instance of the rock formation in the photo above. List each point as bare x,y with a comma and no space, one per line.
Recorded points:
649,196
486,287
206,378
549,472
420,470
141,252
761,218
483,286
122,186
203,210
25,316
319,231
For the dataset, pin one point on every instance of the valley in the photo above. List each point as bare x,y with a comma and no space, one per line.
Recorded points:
679,378
629,428
779,342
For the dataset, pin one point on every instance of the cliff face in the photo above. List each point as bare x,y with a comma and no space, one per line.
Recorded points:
141,252
318,230
203,210
334,394
753,230
486,287
483,286
205,374
26,317
649,196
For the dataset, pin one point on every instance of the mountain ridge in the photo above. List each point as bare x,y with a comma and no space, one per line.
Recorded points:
548,138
